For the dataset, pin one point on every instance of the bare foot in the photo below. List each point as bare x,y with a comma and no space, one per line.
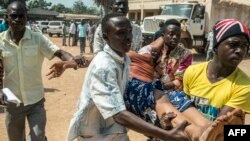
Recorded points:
165,120
237,116
214,131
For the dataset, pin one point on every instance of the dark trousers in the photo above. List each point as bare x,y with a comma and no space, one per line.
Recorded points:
82,44
15,121
73,39
64,39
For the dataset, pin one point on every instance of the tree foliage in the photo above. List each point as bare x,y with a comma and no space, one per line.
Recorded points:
61,8
4,3
79,7
93,11
39,4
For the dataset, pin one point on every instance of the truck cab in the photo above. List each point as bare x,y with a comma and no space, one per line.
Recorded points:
194,15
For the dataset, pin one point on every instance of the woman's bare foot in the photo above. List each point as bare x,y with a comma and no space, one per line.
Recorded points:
215,132
238,117
165,120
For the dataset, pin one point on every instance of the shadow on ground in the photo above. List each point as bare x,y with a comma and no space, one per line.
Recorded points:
47,90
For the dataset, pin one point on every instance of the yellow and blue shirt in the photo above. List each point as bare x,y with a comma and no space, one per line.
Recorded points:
209,98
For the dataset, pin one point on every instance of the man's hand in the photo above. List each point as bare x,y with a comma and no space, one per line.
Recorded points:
3,99
57,69
165,120
81,61
158,44
178,133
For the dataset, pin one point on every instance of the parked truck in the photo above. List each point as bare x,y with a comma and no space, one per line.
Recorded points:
200,16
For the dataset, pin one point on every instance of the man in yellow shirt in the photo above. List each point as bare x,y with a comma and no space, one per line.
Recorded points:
22,54
219,86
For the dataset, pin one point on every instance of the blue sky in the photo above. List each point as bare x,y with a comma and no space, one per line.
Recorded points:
69,3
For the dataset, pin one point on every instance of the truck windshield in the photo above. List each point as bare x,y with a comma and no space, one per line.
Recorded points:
183,10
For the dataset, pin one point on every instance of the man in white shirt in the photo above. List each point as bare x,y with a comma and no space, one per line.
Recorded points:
120,6
101,113
72,31
22,52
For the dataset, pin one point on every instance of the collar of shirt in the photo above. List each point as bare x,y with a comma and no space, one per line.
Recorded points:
114,55
6,36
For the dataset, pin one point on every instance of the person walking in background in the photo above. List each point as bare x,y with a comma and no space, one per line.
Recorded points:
120,6
76,37
210,46
4,26
91,34
82,33
64,34
72,30
22,53
184,25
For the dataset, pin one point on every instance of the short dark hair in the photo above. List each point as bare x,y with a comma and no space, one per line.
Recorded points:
106,18
172,22
17,3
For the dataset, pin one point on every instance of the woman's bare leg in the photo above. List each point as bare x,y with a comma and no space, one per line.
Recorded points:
216,131
194,131
200,128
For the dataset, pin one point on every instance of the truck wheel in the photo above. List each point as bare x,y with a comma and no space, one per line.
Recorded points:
58,35
50,35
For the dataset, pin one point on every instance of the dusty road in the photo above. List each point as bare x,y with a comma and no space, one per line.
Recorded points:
62,94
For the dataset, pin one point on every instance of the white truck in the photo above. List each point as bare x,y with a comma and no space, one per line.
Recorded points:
201,16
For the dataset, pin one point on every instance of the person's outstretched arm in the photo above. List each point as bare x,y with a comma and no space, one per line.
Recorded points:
133,122
57,69
63,55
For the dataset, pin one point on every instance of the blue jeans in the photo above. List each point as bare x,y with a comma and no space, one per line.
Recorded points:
82,44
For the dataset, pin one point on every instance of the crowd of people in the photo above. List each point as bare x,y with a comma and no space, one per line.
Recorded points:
154,90
80,32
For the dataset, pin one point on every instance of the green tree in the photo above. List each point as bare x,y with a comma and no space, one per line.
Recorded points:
93,11
4,3
79,7
39,4
61,8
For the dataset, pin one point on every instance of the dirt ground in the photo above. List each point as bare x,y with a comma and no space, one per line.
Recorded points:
62,95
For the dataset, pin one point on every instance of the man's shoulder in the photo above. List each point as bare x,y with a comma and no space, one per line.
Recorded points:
197,67
242,76
103,60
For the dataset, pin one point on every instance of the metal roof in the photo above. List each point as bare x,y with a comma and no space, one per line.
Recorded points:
40,11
